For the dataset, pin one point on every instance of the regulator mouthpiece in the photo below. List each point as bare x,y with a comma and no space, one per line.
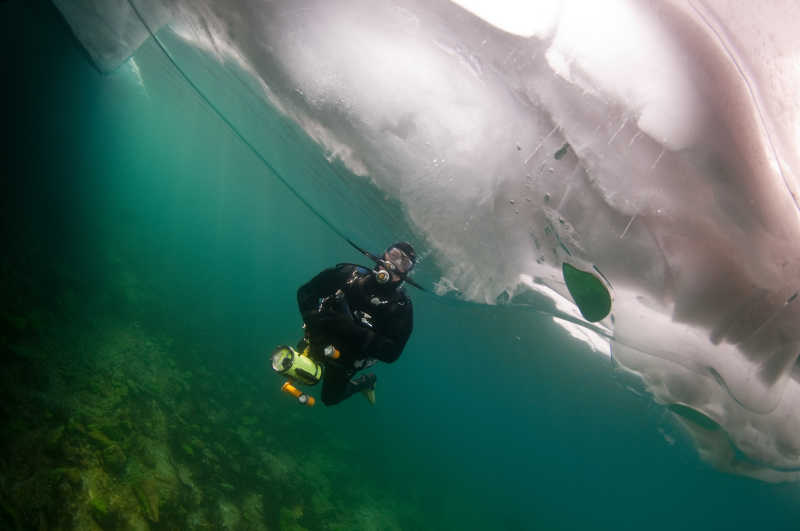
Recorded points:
382,276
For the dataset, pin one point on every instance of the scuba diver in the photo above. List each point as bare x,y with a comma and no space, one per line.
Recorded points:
354,317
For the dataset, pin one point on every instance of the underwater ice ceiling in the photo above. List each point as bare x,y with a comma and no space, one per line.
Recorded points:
653,147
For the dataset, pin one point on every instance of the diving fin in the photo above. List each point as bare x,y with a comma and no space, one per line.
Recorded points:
369,393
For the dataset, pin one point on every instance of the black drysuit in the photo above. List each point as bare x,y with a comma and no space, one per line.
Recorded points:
370,322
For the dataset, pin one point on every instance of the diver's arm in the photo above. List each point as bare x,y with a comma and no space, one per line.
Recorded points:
388,344
359,342
322,285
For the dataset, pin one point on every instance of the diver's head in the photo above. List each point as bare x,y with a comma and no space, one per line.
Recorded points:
396,263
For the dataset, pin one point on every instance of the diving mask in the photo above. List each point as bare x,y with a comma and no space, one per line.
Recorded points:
395,265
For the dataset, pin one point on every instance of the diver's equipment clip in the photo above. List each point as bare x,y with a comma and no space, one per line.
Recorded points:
364,318
332,352
336,302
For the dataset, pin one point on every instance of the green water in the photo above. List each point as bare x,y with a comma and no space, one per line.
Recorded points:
151,264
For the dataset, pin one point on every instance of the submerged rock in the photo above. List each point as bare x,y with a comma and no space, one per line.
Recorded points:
53,440
8,514
71,474
99,438
229,515
114,459
147,496
102,513
289,517
253,512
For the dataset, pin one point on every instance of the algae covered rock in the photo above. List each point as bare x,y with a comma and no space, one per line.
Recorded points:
70,474
9,515
102,513
114,459
99,438
289,518
229,514
253,512
120,430
147,496
54,440
187,449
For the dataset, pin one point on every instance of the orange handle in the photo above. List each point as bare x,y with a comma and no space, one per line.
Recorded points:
298,394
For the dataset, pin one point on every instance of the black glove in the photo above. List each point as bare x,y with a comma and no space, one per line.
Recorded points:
340,330
329,324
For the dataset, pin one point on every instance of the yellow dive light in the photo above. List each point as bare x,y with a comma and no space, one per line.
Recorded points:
295,366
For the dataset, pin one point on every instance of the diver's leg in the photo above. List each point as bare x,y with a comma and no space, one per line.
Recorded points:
365,381
335,385
365,384
338,385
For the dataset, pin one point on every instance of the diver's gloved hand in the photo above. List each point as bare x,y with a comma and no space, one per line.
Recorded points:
331,324
344,332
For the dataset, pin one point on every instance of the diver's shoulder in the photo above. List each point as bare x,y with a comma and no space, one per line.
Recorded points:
347,268
402,298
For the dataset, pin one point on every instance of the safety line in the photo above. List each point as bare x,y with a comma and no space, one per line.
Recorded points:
233,127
